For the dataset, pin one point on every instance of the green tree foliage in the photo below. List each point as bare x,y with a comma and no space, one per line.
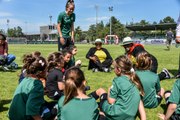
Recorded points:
15,32
167,19
78,33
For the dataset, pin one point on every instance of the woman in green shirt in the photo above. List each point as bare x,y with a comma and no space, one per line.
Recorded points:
75,104
124,95
65,26
29,95
150,81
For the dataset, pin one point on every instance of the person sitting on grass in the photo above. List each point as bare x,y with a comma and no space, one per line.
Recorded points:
124,96
25,59
28,100
55,83
99,58
6,58
72,61
133,49
67,54
150,81
75,104
173,103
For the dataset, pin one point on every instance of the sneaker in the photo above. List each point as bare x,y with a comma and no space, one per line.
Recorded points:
178,75
95,70
5,68
13,65
106,70
168,76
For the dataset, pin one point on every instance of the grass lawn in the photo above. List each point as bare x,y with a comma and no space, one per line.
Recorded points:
9,80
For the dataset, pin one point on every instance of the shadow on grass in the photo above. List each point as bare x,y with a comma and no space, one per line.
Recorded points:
10,70
174,72
167,49
2,103
164,107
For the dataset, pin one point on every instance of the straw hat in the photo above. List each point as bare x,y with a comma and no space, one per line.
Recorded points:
127,40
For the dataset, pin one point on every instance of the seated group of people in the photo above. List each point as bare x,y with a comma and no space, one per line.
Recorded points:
62,80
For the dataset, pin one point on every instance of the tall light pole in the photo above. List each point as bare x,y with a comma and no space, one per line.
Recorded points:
110,22
50,18
7,25
26,28
96,8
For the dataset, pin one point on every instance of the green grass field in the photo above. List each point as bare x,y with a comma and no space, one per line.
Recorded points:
9,80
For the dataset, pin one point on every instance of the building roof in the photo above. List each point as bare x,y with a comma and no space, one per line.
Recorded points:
165,26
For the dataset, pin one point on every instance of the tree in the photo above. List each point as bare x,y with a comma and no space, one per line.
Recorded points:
91,32
117,28
167,19
78,33
15,32
2,31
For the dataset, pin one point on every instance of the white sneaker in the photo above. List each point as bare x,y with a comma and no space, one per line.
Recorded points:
168,76
95,70
5,68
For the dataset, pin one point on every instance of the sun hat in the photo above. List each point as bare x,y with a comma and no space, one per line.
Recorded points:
98,41
127,40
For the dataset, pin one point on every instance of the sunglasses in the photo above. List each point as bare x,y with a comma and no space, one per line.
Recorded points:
98,44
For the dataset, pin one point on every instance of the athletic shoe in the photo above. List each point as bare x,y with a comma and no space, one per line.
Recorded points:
94,70
178,75
5,68
106,69
168,76
13,65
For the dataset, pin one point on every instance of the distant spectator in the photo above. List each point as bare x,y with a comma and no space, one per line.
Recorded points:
169,38
4,55
99,58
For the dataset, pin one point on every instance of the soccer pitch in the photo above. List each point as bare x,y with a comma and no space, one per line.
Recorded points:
9,80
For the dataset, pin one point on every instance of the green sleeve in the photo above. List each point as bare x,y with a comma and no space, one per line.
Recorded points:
60,18
35,99
74,17
158,86
114,90
175,95
96,111
60,104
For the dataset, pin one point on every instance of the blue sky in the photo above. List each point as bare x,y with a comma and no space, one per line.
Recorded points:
31,14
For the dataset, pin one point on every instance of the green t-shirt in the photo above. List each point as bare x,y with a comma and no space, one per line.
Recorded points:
78,109
151,84
66,23
27,100
175,96
127,100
